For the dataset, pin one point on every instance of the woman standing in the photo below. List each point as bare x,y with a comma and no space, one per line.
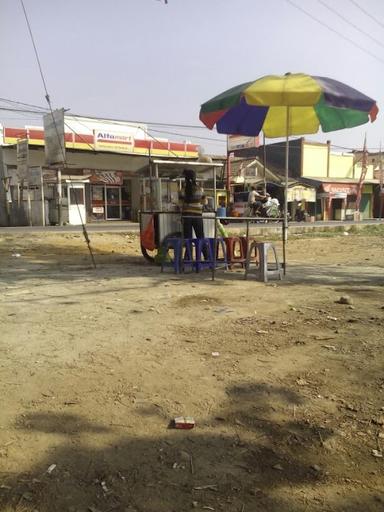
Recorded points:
192,207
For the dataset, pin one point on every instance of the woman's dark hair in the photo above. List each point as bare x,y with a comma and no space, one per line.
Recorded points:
190,183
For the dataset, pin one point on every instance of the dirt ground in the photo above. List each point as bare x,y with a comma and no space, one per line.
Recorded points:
95,363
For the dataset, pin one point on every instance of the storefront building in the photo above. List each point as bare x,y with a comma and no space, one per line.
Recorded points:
101,180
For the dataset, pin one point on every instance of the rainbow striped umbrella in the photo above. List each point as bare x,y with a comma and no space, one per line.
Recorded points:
293,104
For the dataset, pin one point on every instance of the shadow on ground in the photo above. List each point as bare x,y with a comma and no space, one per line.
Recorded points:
244,461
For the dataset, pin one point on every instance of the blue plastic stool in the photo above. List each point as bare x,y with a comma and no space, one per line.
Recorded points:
190,246
179,246
204,245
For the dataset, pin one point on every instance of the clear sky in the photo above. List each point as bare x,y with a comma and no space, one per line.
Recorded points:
150,61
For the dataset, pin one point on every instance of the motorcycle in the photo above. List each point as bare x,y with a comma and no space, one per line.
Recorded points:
269,209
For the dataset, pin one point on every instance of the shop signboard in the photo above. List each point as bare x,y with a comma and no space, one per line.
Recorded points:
106,177
49,175
35,176
54,142
235,142
349,189
22,157
113,141
300,193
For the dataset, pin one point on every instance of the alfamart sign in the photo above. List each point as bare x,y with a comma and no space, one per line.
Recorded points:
113,141
98,135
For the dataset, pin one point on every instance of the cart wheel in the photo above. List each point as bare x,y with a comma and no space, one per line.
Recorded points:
148,255
151,255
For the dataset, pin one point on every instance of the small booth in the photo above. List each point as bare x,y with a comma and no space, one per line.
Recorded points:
160,214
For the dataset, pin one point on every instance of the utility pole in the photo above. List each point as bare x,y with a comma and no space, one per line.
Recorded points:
362,177
381,171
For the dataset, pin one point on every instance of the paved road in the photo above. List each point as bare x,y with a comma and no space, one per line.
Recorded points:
123,226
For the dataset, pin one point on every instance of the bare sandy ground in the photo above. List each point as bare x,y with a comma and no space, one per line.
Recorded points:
95,363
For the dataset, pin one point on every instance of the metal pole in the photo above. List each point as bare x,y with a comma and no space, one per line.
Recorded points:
214,248
286,179
214,189
42,196
264,160
29,205
284,251
228,170
381,185
59,198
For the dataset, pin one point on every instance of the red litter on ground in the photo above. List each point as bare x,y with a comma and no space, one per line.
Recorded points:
183,422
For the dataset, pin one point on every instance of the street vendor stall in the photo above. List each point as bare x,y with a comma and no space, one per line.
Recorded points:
160,214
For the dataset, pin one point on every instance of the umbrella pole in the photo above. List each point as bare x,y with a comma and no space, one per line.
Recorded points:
285,237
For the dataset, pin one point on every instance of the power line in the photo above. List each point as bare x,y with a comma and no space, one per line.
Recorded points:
367,13
356,27
85,233
119,120
13,102
335,31
190,136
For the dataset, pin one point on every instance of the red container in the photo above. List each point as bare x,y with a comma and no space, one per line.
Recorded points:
184,422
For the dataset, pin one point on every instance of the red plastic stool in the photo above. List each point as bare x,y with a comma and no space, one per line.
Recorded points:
235,251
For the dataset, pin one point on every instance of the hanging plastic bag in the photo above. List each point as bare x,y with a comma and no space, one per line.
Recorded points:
147,237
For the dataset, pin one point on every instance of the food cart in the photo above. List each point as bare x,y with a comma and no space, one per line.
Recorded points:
160,214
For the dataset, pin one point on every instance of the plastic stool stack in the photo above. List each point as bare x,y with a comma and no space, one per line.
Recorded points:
263,269
195,253
177,244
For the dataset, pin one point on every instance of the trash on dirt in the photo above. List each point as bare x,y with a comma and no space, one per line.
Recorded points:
104,486
16,255
51,468
223,310
183,422
345,299
316,468
333,318
215,354
330,347
278,467
260,331
210,487
377,453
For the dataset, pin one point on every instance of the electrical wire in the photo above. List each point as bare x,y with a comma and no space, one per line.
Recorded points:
356,27
367,13
335,31
62,146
